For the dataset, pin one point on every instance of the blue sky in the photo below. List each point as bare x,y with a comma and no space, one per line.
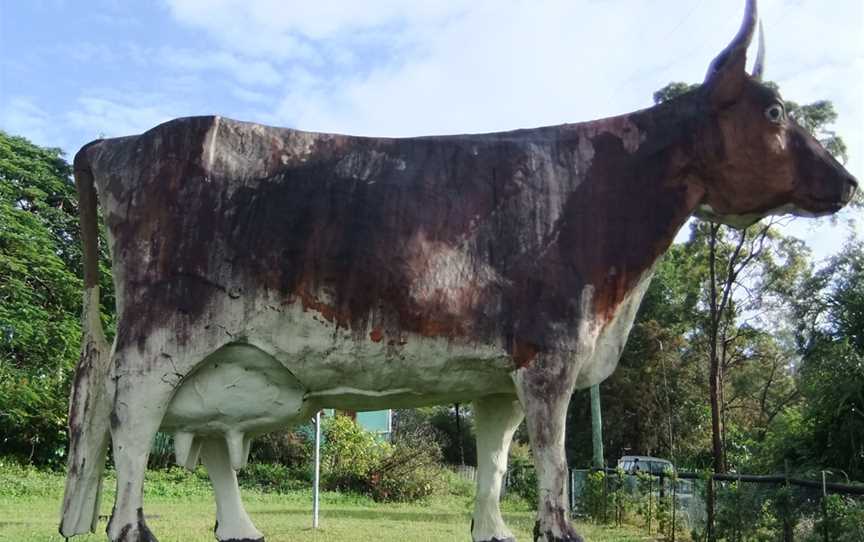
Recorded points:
74,71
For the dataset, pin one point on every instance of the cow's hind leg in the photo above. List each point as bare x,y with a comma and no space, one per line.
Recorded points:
544,389
140,400
232,521
496,419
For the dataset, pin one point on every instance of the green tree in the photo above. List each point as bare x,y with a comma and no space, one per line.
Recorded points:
40,290
40,298
829,432
457,441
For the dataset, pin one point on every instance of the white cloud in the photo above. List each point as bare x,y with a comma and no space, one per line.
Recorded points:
21,116
249,96
115,116
246,71
282,29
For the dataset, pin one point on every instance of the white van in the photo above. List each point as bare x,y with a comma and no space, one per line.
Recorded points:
632,464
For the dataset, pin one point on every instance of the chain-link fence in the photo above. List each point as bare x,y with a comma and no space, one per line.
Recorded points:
733,508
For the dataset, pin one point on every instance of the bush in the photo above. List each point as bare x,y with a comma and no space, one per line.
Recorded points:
161,452
596,496
456,485
458,447
25,481
842,521
348,455
289,448
353,460
521,476
410,470
273,477
172,482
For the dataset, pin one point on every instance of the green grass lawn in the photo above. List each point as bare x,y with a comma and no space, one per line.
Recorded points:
180,508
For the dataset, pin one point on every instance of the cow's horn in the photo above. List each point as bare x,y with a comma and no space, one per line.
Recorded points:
738,47
759,65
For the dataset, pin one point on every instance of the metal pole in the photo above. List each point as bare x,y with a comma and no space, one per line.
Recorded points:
650,498
597,427
824,508
316,482
674,504
788,535
709,504
605,496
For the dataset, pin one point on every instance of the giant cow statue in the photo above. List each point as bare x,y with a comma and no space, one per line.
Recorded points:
264,273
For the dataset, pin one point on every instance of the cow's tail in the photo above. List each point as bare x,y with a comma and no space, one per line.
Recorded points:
89,404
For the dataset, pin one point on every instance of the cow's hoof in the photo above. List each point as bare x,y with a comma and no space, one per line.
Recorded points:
548,536
133,532
216,528
493,539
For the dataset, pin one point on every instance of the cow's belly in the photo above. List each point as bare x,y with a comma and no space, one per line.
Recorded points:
371,369
238,388
363,375
271,367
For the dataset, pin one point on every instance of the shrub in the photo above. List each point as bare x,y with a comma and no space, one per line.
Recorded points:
348,455
619,495
273,477
458,447
174,482
456,485
842,520
521,476
161,451
289,448
596,496
353,460
409,470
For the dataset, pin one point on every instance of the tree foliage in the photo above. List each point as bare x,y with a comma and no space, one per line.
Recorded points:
40,297
829,316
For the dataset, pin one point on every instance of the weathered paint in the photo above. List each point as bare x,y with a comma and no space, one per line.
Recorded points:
365,273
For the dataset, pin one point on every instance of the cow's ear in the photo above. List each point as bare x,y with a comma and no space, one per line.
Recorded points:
727,74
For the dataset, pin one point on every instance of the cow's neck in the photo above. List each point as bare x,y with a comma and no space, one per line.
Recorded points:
634,193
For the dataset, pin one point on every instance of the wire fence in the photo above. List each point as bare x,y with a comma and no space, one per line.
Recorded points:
734,508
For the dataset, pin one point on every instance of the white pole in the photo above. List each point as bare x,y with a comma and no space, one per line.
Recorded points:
317,479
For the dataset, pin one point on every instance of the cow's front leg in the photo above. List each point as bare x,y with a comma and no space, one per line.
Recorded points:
544,389
496,419
232,521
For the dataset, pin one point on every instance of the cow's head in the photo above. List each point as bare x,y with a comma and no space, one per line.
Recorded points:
754,159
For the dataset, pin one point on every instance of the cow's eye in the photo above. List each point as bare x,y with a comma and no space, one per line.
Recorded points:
775,113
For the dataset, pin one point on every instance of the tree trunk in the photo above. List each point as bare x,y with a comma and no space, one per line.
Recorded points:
715,378
716,418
